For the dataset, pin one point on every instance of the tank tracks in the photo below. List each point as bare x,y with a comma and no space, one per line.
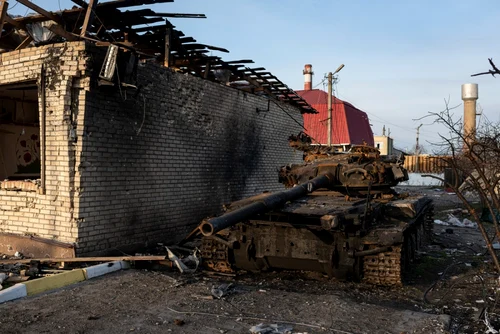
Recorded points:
387,268
215,256
383,269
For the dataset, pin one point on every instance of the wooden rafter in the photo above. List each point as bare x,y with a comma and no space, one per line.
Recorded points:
25,43
40,10
59,30
89,16
3,14
13,22
161,42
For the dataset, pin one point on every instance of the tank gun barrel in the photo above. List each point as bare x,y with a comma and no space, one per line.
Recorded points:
211,226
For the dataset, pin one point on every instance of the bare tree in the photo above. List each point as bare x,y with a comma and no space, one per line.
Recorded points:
475,158
493,71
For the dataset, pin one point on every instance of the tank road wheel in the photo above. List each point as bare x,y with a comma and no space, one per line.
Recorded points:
384,268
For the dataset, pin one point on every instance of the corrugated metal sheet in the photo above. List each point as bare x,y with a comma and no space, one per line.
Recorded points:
349,124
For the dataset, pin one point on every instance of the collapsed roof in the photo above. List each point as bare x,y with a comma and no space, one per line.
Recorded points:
147,33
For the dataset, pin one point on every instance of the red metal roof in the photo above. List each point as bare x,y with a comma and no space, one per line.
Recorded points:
349,124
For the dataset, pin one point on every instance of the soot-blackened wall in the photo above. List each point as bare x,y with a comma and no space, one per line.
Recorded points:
157,160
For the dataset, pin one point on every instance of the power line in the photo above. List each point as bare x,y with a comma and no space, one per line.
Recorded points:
322,82
386,121
12,7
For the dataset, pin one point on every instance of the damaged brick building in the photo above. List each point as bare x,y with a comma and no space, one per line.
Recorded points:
113,141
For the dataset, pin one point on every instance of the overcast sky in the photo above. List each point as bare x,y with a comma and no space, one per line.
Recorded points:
402,58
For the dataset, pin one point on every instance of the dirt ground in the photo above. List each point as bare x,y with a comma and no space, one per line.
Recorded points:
152,302
450,290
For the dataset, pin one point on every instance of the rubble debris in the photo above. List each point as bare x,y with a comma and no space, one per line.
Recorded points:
487,323
271,329
203,297
222,290
454,221
3,277
186,265
179,322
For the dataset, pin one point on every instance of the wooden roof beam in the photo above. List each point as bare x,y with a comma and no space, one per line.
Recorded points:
89,16
80,3
179,15
25,43
40,10
130,3
151,28
13,22
3,13
242,61
59,30
203,46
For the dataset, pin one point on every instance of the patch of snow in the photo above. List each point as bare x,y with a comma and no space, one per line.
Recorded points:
454,221
416,179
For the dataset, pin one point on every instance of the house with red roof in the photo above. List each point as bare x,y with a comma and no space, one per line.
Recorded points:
350,125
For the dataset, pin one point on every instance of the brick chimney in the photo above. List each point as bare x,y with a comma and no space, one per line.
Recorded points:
308,73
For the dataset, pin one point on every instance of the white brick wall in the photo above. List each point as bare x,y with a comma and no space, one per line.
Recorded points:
49,215
124,181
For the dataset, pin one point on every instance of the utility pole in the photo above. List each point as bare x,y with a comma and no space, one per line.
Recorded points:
417,149
330,93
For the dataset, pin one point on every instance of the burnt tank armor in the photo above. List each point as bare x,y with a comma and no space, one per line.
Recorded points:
339,215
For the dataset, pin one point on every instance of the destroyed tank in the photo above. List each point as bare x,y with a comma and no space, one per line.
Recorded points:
339,216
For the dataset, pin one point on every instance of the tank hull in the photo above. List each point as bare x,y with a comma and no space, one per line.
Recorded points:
370,240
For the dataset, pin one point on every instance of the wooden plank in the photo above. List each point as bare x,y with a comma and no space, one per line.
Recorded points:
103,43
207,70
252,70
130,3
187,40
16,24
89,16
203,46
140,20
166,60
3,14
24,43
242,61
80,3
88,259
40,10
150,28
180,15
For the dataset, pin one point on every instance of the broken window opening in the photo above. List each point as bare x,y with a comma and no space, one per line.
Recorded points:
20,149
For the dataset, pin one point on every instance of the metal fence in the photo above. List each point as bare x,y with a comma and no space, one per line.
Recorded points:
425,163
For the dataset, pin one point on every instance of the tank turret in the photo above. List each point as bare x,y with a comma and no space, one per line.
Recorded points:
360,171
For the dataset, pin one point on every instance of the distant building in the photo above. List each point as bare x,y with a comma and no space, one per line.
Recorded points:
385,144
350,125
